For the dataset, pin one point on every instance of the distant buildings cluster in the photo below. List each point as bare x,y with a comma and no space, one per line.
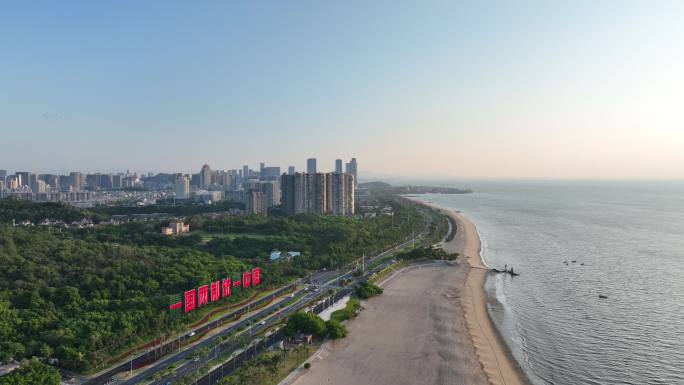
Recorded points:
260,190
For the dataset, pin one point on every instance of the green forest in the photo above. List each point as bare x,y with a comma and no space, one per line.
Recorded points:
83,295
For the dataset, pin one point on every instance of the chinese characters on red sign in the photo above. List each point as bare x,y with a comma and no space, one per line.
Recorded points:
203,295
226,287
215,291
190,300
219,289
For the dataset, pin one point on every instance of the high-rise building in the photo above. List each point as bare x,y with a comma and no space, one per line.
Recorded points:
291,170
182,187
270,173
271,192
205,177
340,194
117,181
311,166
106,181
255,203
227,179
308,193
33,182
245,173
319,193
22,178
287,189
352,168
76,181
338,166
195,180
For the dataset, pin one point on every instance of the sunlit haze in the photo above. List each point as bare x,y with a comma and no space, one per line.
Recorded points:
589,89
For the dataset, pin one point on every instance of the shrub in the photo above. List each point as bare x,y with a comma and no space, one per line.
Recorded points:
335,329
367,290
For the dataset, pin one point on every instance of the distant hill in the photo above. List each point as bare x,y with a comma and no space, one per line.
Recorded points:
408,189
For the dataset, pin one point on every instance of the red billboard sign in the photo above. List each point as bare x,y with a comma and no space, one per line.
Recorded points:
213,292
202,295
246,280
190,303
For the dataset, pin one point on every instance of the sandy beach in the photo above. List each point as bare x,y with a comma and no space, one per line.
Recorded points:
497,362
414,333
429,327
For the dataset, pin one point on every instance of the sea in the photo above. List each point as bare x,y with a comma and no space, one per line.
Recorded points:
571,242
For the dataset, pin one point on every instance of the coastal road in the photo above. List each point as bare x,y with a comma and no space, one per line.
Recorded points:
153,355
324,278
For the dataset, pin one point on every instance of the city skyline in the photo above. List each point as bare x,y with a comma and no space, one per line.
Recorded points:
533,90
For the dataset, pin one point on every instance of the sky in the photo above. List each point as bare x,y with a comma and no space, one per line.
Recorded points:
453,89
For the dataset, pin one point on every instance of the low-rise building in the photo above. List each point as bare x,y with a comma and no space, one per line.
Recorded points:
175,228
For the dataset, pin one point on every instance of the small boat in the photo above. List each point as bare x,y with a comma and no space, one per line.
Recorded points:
603,296
574,261
582,264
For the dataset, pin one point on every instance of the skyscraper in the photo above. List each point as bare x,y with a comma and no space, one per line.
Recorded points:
338,166
255,203
22,178
182,187
308,193
76,181
287,189
205,177
291,170
270,173
245,173
340,194
352,168
311,166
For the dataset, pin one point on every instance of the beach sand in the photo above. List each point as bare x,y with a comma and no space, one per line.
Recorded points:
500,366
413,334
430,326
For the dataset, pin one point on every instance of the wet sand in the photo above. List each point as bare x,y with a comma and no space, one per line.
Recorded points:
500,366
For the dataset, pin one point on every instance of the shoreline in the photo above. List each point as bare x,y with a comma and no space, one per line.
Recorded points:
492,351
414,333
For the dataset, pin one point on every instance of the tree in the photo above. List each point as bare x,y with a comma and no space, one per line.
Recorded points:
32,372
335,329
305,323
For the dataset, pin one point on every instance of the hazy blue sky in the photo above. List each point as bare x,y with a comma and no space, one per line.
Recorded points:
466,89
